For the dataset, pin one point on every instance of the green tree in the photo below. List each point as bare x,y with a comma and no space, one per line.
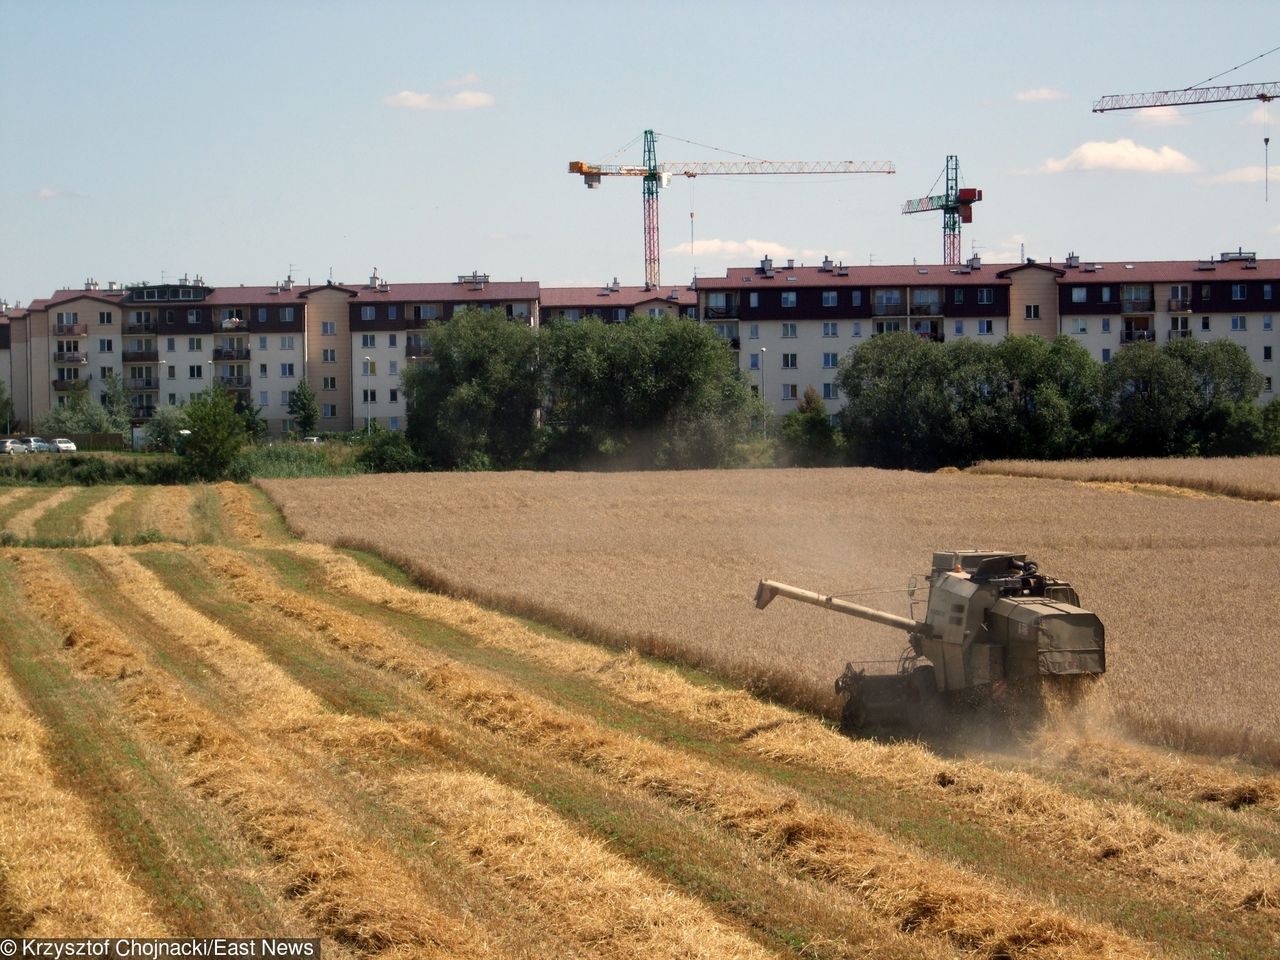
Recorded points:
217,432
387,451
6,408
115,401
1224,419
898,412
1271,427
164,428
303,408
473,402
1150,397
79,413
808,438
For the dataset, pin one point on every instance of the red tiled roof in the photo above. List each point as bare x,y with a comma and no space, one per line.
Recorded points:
604,297
113,297
438,292
1165,271
875,276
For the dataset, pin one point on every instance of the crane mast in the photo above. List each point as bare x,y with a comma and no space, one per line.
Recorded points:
956,205
656,175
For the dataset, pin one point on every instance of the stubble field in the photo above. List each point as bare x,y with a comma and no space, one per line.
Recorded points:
228,731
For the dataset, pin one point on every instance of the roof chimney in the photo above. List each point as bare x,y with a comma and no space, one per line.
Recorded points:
90,283
791,264
826,264
766,264
1072,261
373,278
287,283
975,262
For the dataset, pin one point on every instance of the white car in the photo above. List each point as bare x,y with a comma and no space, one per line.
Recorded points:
62,445
12,447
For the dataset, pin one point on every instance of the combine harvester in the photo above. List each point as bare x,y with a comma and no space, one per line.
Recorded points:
997,635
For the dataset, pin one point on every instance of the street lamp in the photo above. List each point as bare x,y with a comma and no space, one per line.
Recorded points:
763,394
367,363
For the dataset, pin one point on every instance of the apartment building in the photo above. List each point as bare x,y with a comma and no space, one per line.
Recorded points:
614,303
791,325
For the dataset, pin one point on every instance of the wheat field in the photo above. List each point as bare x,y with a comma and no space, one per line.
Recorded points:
1249,478
668,563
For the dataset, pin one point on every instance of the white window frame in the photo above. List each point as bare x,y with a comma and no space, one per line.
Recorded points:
789,329
788,299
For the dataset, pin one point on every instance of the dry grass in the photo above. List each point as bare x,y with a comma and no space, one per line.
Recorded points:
1110,836
57,876
96,522
667,563
23,523
931,898
352,889
168,510
237,505
1249,478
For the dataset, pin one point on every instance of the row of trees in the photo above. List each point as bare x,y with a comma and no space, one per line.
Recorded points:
918,404
656,391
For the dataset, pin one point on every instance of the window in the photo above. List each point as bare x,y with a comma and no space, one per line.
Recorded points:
262,343
1106,324
959,296
193,316
959,328
1033,311
170,344
286,369
1266,293
104,316
985,295
788,298
105,345
1106,355
888,326
985,328
262,369
830,361
1266,353
788,391
788,361
393,423
329,383
1266,384
395,396
286,342
830,391
328,328
828,298
369,368
264,398
1079,295
857,328
855,298
1266,322
830,329
371,396
368,340
425,311
262,314
1204,323
391,338
754,363
393,368
195,344
1079,325
232,313
104,372
788,331
368,313
1238,291
173,399
329,355
286,398
753,299
328,410
195,371
755,331
1238,322
173,371
286,314
66,318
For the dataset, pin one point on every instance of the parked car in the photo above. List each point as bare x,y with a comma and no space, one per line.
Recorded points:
12,447
312,440
62,445
36,445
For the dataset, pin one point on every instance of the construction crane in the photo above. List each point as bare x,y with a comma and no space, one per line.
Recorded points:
658,175
956,206
1176,98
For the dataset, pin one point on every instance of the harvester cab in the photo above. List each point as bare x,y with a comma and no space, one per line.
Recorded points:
996,631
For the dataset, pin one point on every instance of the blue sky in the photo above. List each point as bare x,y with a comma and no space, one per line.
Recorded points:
145,140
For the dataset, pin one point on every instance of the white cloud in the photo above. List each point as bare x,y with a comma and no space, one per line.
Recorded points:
1162,117
1258,117
1121,155
462,100
50,193
724,249
1247,175
466,80
1040,95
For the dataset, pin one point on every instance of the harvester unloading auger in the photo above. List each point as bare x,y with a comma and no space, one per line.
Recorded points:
996,632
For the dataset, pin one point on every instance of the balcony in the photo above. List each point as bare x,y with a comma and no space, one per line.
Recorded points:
231,353
77,357
727,312
73,384
1137,306
1179,306
140,356
232,323
889,309
143,413
234,382
414,349
1137,336
926,310
142,383
68,329
1179,334
139,326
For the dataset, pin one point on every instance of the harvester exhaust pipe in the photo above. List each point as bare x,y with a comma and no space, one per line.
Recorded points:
768,589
